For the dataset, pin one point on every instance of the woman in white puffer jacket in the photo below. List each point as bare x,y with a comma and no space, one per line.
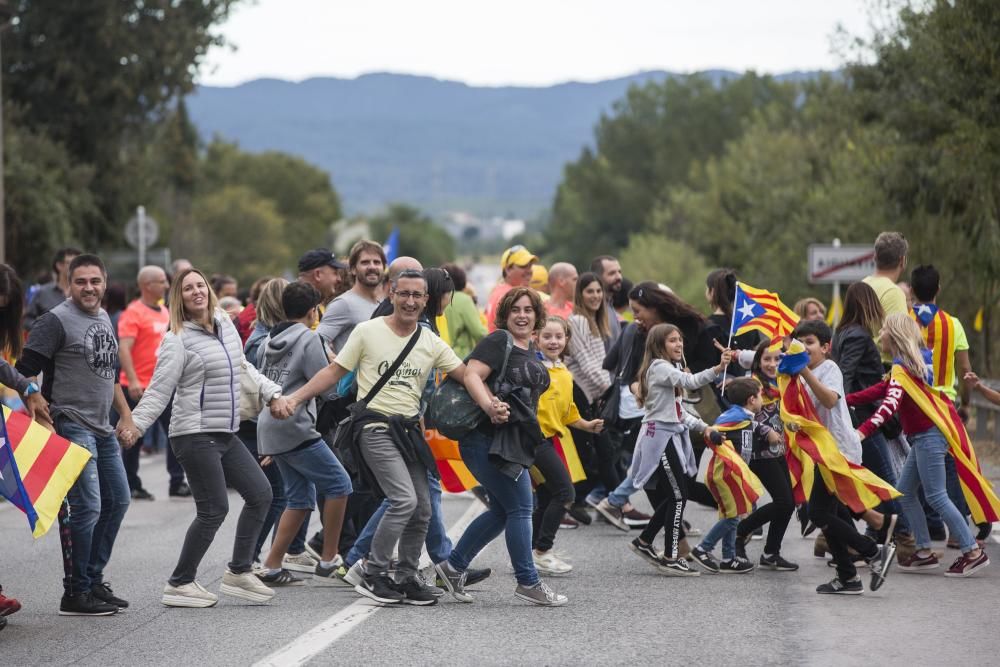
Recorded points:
199,364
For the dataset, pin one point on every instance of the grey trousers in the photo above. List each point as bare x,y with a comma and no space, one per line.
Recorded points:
211,460
409,512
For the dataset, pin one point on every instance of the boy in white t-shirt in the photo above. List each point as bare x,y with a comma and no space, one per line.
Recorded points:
825,386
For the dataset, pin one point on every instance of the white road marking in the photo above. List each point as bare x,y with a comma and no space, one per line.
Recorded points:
306,646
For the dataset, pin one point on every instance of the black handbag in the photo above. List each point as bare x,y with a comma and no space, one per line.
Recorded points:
345,427
452,411
610,400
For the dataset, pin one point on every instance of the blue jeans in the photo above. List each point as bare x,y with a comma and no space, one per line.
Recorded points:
621,495
875,457
725,530
510,511
437,541
926,466
309,470
97,504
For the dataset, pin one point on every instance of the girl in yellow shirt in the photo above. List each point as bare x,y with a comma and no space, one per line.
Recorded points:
557,464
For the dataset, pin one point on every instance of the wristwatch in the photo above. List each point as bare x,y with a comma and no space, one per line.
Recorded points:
32,389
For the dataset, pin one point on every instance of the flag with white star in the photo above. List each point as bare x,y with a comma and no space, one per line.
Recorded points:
757,309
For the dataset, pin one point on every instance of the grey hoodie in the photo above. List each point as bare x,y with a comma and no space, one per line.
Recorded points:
293,354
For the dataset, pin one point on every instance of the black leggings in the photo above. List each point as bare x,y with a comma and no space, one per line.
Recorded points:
773,474
837,524
552,497
668,499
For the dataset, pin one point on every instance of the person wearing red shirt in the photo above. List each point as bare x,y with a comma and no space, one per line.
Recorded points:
516,265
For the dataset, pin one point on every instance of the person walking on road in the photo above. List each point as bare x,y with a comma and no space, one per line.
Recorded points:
200,365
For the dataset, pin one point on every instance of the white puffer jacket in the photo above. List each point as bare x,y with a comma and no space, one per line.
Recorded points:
201,371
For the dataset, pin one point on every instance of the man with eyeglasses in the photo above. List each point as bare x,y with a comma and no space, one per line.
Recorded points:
390,438
516,264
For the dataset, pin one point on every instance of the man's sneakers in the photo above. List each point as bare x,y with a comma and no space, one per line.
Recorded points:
141,494
382,589
302,562
104,593
454,581
540,594
246,586
356,573
777,563
416,592
280,577
192,595
181,490
966,566
705,560
8,605
881,562
837,587
547,562
735,566
612,514
334,575
85,604
917,563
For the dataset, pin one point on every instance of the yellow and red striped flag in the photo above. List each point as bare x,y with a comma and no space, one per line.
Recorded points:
938,331
455,475
566,450
854,485
984,505
729,478
758,309
37,468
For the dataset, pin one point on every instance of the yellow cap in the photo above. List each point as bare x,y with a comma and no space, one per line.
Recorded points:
539,277
516,256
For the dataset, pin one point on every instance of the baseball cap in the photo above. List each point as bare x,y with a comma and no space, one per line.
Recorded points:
516,256
318,257
539,277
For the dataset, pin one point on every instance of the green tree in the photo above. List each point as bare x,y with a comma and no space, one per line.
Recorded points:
419,236
677,265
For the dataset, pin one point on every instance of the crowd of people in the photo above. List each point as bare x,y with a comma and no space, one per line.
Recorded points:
583,389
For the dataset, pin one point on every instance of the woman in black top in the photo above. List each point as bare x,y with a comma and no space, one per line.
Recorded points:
499,454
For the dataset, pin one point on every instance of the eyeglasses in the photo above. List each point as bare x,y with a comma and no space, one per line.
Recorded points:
406,295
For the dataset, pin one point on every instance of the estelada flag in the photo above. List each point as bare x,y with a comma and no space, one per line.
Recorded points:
758,309
854,485
729,478
937,328
37,468
984,505
455,475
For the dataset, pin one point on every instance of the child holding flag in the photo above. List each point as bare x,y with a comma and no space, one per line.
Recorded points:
933,429
732,484
664,457
557,464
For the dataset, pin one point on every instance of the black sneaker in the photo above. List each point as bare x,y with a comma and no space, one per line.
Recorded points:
85,604
474,575
104,593
735,566
580,513
181,490
415,592
741,547
141,494
881,562
884,534
380,588
705,560
280,578
983,532
837,587
645,552
776,562
757,534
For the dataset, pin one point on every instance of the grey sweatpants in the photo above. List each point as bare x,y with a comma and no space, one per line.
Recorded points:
212,460
409,512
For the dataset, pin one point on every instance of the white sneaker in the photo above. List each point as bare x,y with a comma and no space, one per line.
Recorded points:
245,586
356,573
188,595
549,563
302,562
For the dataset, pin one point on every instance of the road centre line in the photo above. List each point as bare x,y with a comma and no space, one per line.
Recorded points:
306,646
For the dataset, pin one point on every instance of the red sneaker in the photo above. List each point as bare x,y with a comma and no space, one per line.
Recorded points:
915,563
966,567
8,605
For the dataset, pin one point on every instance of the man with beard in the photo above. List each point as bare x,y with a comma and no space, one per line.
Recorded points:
367,263
610,272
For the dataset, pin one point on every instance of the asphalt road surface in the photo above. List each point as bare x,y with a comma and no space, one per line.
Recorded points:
620,610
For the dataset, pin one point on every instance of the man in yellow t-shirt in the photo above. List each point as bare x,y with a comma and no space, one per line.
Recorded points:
890,260
371,349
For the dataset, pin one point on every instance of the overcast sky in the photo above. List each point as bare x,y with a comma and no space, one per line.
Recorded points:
527,42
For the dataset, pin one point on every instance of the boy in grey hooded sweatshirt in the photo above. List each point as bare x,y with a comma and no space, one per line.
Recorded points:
293,353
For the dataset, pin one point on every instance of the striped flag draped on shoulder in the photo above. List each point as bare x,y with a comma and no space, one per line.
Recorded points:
729,479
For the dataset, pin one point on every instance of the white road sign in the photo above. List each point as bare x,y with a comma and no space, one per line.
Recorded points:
844,264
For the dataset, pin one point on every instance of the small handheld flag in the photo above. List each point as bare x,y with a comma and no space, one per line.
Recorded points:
757,309
37,468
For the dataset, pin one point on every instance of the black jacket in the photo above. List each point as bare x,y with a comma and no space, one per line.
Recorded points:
855,352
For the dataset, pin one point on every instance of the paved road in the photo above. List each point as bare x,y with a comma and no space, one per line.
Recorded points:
620,611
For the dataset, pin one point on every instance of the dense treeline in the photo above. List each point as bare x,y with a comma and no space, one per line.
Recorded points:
748,173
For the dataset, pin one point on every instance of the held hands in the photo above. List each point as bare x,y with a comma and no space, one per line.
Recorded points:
283,407
972,380
127,433
498,411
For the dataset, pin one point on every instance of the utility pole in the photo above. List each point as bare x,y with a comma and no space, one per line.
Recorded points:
5,15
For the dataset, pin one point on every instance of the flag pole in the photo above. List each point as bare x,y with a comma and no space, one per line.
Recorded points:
732,325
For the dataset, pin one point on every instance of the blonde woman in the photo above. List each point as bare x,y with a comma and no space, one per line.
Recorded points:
199,365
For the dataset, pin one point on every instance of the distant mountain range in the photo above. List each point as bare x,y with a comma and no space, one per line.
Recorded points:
440,145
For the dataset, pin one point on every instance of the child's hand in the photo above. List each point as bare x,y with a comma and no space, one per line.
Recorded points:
727,357
595,425
972,380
